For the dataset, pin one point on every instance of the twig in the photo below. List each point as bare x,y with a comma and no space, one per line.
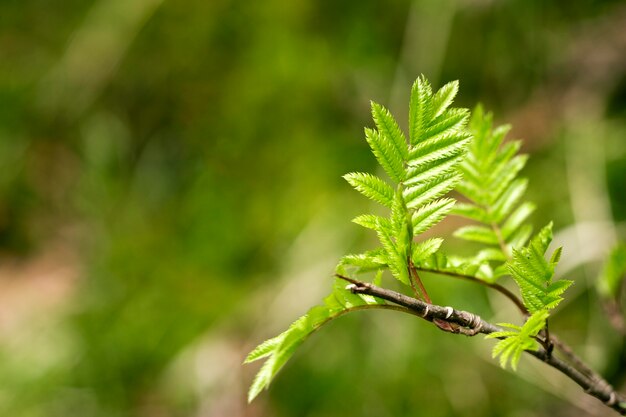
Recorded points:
471,324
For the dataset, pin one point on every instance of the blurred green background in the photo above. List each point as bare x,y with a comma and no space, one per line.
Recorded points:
171,195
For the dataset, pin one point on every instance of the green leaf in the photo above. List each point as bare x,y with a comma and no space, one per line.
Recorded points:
386,154
444,97
264,349
395,255
503,206
279,349
520,237
613,273
372,187
480,234
490,254
502,174
442,146
430,214
469,211
534,274
424,169
494,193
420,109
423,250
388,128
422,193
369,221
452,120
514,342
516,219
368,261
445,165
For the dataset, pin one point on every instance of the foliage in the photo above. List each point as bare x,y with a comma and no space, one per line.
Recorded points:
494,193
520,338
423,169
167,159
613,273
533,274
437,157
279,349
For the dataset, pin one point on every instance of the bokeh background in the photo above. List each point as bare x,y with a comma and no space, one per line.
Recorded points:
171,195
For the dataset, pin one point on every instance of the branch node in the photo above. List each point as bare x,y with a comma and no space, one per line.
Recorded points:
351,288
612,399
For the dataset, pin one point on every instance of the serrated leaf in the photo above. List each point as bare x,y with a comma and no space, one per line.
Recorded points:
423,250
345,297
420,109
444,97
505,203
372,187
369,221
613,272
388,127
446,165
475,233
422,193
514,342
430,214
279,349
452,119
444,145
502,174
469,211
395,256
516,219
556,256
534,274
386,154
264,349
520,237
491,254
370,260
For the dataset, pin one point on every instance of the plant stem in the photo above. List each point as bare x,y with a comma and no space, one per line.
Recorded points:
413,273
470,324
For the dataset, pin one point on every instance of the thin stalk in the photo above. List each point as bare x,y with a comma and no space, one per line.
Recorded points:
469,324
502,290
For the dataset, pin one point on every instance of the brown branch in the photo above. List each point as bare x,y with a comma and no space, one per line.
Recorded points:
554,342
469,324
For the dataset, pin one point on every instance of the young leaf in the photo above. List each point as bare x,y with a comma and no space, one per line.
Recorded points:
480,234
420,109
424,170
386,154
279,349
369,221
368,261
430,214
493,191
372,187
388,127
515,341
443,98
613,273
534,274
